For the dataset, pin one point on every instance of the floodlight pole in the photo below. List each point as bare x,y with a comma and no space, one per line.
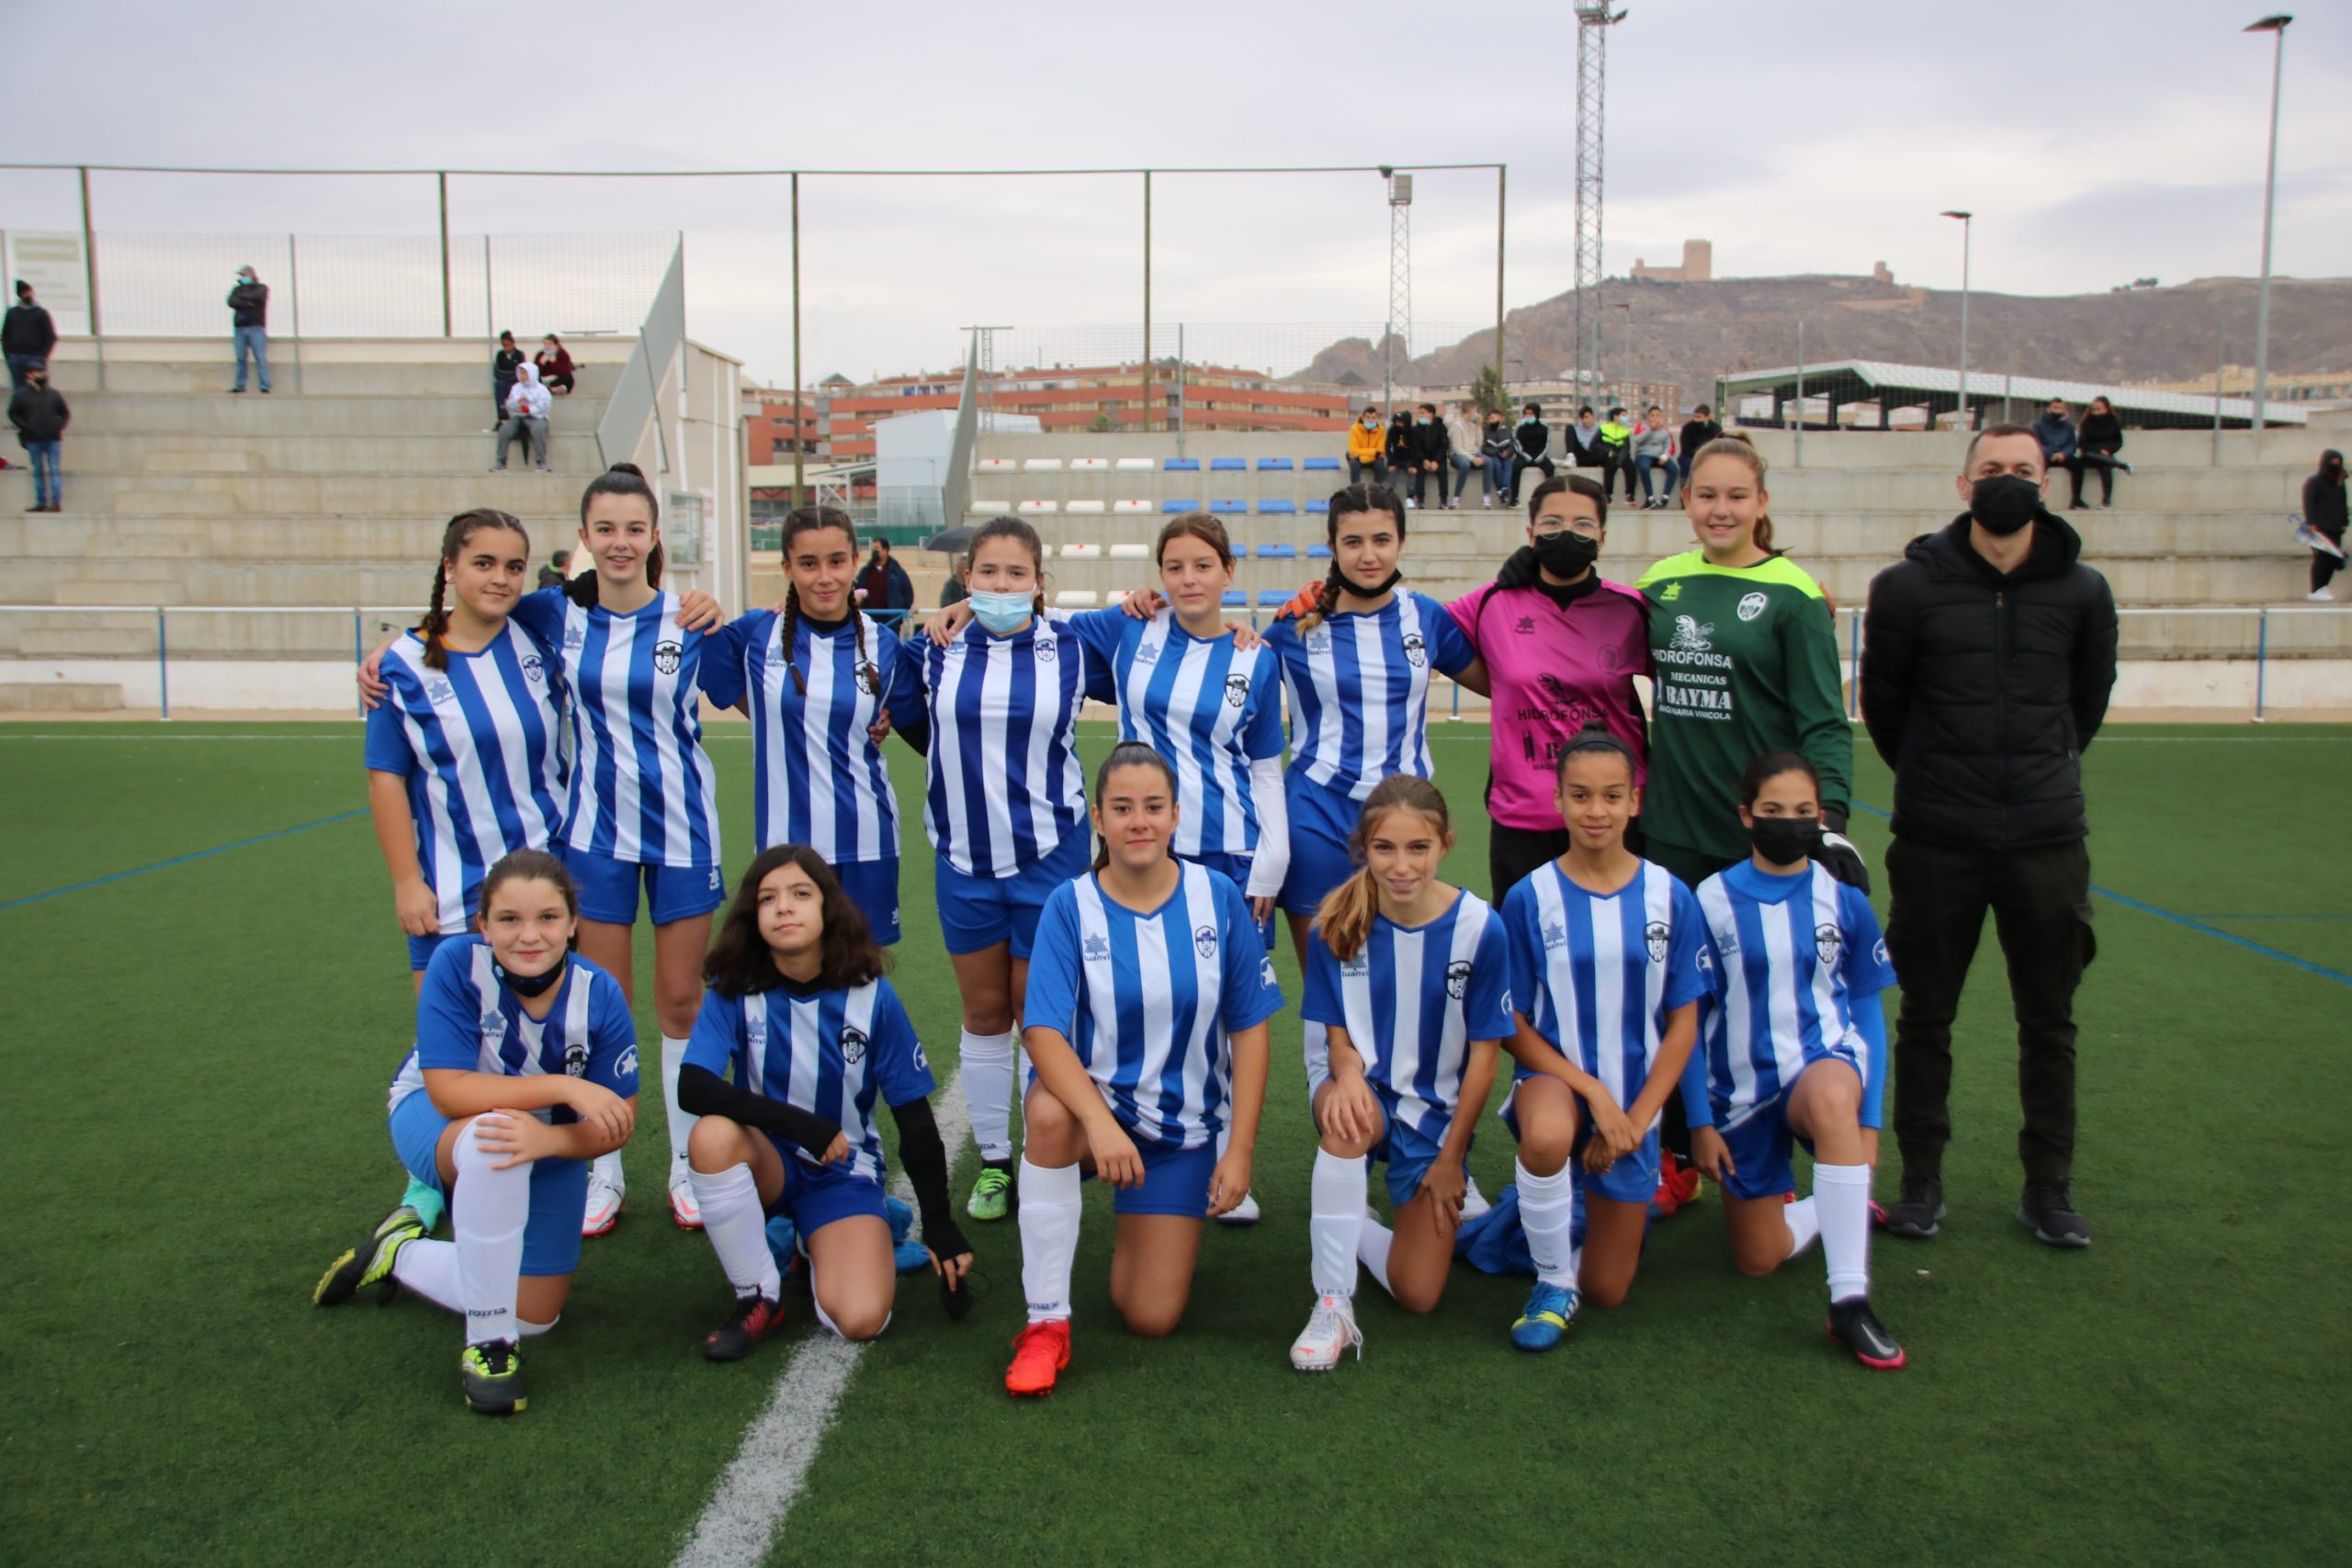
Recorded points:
1400,282
1147,302
799,426
2275,26
1967,226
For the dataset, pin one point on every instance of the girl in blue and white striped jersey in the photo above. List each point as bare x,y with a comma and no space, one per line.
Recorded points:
1006,808
1146,1016
814,1035
1793,1045
524,1069
1609,958
1412,977
464,759
814,679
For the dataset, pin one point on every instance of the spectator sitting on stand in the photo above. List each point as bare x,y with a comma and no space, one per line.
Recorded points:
558,571
1582,442
27,335
555,366
1428,453
1616,446
526,416
1367,449
2055,430
1400,446
503,366
1497,448
2101,439
39,414
1697,430
1653,449
1534,449
1463,444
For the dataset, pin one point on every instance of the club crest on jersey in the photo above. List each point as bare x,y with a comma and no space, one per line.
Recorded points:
438,691
1237,690
1691,637
533,671
1416,651
667,656
1204,942
1098,948
1826,940
1457,978
1556,936
575,1058
853,1045
1047,650
869,679
1657,933
1751,606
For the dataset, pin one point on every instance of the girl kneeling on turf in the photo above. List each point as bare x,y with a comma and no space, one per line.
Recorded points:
798,1010
1145,1018
525,1070
1608,962
1412,978
1795,1046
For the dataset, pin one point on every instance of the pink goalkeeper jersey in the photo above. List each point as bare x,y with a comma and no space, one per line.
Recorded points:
1554,670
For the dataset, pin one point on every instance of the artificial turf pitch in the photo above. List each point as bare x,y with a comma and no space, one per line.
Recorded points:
196,1060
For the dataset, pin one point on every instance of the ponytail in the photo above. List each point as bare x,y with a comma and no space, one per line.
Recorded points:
1344,918
435,626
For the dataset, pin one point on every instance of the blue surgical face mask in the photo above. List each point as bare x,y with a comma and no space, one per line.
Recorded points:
1003,613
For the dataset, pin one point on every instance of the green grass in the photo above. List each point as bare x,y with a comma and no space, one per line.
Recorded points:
194,1072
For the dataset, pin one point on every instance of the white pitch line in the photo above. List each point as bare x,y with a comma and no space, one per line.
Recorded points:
759,1486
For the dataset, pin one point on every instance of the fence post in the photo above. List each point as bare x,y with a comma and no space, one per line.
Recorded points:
1144,368
2261,659
90,281
441,180
358,651
162,669
294,300
1854,684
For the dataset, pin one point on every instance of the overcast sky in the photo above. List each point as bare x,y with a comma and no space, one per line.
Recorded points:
2098,141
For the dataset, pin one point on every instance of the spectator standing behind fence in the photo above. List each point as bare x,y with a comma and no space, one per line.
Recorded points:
27,335
2324,511
1429,452
39,414
1653,450
1463,442
1367,449
1534,449
884,588
1988,654
249,321
555,366
2101,437
1697,430
526,415
504,368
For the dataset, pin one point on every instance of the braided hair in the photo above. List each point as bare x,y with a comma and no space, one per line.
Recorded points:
454,539
810,520
1352,501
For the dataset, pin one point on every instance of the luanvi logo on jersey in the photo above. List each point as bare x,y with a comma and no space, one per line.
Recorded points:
1556,936
1879,952
439,693
1147,653
626,1068
1457,978
1098,949
1318,641
1673,592
1237,690
1204,942
493,1026
573,637
1659,935
667,656
853,1045
1416,651
1525,626
1266,972
1356,968
1751,606
575,1058
1826,940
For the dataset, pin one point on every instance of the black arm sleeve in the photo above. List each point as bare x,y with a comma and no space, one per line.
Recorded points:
916,735
925,1159
701,1092
2095,637
580,589
1887,623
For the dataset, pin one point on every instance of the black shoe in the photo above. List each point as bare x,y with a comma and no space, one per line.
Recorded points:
755,1317
1854,1326
2078,506
2048,1211
1919,1213
236,392
491,1377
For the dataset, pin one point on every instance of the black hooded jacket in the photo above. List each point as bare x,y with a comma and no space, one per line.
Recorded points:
2323,506
1982,690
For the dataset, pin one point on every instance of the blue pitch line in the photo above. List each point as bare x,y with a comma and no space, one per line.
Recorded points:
180,860
2323,971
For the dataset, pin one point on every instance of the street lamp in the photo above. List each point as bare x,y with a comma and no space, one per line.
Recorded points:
2276,26
1966,224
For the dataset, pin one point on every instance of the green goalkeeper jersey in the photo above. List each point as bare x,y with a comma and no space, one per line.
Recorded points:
1746,662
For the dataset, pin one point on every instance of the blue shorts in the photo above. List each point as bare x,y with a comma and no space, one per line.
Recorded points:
1318,863
1236,870
1632,1179
815,1196
608,889
872,887
1760,1142
1175,1181
421,949
1406,1152
558,1187
978,912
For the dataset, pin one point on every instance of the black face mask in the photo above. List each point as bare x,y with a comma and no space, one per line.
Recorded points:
1566,555
526,985
1785,840
1375,590
2004,504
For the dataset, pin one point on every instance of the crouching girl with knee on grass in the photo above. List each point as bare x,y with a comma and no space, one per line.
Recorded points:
524,1070
1146,1020
799,1010
1793,1047
1609,960
1412,976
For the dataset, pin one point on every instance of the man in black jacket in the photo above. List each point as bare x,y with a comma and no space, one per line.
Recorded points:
249,314
1431,448
1988,654
27,335
1534,449
39,414
1697,430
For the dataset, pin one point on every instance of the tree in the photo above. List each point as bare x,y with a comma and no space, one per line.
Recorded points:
1489,393
1102,423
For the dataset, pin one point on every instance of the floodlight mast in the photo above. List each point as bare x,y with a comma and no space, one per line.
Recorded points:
1400,282
1593,18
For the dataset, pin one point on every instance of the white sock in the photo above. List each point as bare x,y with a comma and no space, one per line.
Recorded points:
1841,1194
985,1071
609,1168
1048,1238
533,1330
1319,1059
1373,1241
430,1269
1804,1223
673,1057
1547,1212
738,1228
488,1216
1335,1220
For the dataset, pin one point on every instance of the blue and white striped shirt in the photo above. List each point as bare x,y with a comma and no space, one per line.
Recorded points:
1597,976
468,1021
1209,710
1792,954
479,747
1412,999
1148,1001
817,777
832,1053
1005,783
642,791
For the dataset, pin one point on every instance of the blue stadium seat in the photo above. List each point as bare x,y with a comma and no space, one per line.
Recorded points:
1322,464
1228,506
1282,508
1277,552
1174,506
1235,599
1181,465
1273,465
1318,552
1273,598
1320,503
1227,465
